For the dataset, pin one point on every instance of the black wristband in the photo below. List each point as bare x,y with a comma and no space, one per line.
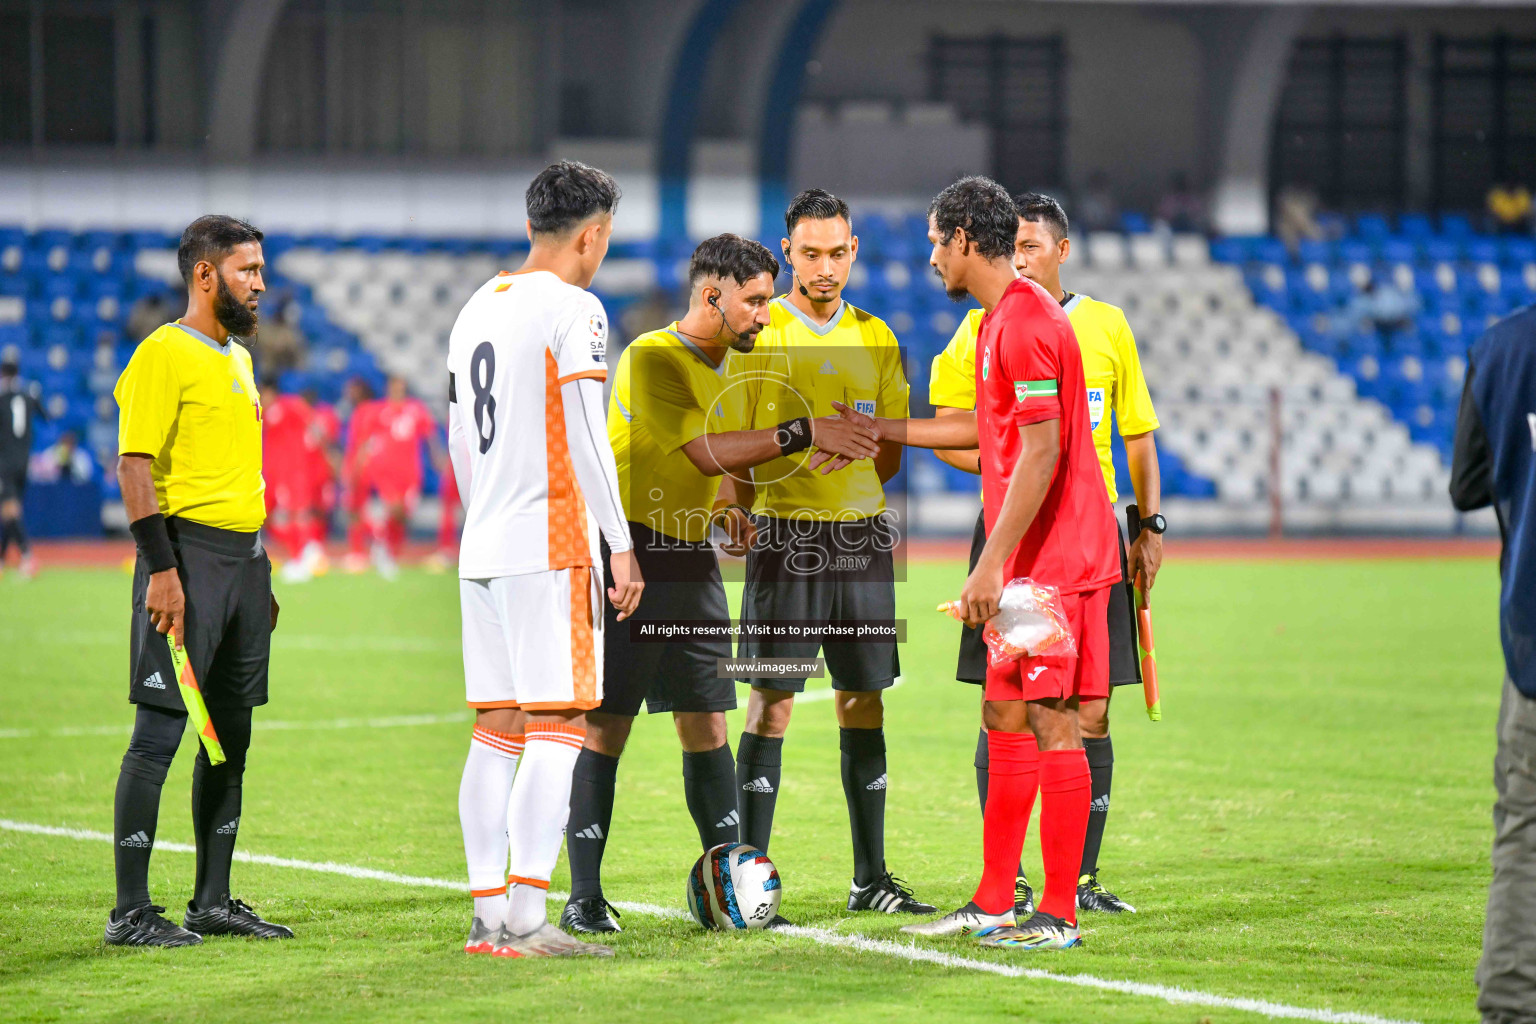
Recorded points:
720,512
793,435
154,543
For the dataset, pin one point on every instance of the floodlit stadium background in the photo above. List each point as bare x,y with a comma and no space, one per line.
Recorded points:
1290,202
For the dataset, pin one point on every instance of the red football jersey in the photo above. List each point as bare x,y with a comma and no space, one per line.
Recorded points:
285,424
359,435
324,430
1028,370
393,447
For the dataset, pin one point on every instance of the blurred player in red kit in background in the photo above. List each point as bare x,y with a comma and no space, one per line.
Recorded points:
356,413
385,453
324,457
449,518
286,465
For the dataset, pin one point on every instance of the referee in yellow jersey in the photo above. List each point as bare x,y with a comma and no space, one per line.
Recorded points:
1112,372
822,555
190,468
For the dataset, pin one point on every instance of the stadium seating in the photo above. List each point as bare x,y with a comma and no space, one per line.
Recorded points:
1395,306
65,302
1367,405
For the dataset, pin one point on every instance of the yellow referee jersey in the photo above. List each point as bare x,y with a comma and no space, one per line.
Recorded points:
1111,371
666,392
799,368
192,405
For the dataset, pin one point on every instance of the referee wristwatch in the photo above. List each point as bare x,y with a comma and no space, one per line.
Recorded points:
1154,523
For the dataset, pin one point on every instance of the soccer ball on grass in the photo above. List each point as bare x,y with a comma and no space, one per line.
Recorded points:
734,887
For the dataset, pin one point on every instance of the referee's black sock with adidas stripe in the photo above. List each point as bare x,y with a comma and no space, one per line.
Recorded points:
216,797
136,806
709,785
759,761
1101,769
864,782
586,830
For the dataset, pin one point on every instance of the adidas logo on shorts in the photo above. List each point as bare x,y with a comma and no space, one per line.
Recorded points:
138,839
1100,804
758,785
593,831
878,783
229,829
154,682
729,820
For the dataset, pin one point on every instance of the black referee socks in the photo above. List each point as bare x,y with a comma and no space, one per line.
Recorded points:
1101,768
864,783
216,796
136,807
586,831
759,760
709,784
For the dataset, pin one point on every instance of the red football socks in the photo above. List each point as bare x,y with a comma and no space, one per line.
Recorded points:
1013,774
1065,788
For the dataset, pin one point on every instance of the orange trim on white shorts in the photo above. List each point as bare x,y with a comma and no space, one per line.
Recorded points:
562,705
489,705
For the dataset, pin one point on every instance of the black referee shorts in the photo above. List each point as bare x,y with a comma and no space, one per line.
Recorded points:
1124,665
227,579
682,584
822,572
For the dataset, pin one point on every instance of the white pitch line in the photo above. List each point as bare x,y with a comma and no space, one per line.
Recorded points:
822,936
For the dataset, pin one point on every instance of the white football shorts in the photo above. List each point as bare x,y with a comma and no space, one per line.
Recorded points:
534,641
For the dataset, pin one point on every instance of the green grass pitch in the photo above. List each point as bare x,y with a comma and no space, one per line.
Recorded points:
1308,825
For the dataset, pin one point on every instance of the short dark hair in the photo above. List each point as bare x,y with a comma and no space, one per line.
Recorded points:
814,204
984,209
567,193
1038,208
728,255
212,238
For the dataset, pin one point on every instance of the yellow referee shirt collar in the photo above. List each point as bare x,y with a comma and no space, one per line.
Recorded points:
223,349
812,325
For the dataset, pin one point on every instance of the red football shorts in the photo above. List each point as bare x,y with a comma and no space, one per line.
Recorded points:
397,488
1085,677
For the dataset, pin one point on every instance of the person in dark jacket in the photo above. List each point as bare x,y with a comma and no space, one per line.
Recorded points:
1494,463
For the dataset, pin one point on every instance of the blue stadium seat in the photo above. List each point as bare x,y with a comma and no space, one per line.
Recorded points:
1415,226
1312,251
1482,250
1515,251
1456,225
1373,227
1399,250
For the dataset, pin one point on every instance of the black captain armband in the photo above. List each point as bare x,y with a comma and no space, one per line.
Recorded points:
154,543
793,435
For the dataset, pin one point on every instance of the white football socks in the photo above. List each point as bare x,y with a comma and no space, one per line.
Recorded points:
484,793
541,799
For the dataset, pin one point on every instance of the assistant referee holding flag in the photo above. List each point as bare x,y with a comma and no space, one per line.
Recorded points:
190,470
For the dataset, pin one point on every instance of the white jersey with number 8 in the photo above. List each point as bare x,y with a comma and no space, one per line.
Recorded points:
518,339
